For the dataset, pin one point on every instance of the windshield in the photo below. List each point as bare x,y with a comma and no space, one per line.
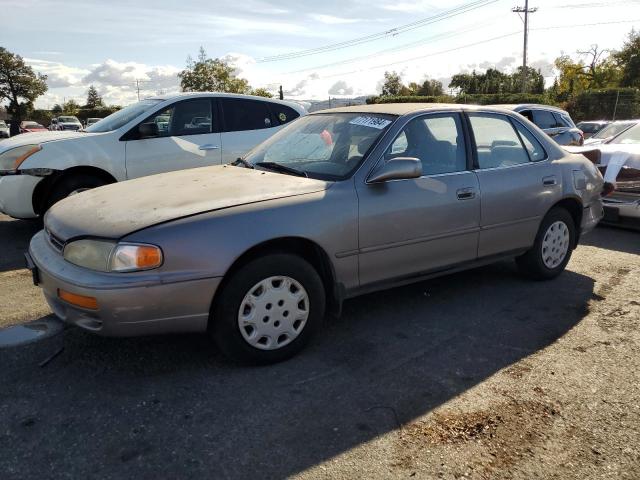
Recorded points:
612,130
323,146
122,117
590,127
68,119
630,137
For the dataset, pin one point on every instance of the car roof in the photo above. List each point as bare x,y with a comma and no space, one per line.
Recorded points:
174,96
521,106
407,108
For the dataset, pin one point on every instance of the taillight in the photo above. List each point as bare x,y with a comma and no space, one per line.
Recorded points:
608,188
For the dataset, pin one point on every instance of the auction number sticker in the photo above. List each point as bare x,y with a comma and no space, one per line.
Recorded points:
372,122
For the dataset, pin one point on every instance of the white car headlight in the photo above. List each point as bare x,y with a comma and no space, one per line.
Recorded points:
12,159
106,256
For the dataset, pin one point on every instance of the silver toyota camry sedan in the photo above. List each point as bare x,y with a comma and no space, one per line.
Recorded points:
338,203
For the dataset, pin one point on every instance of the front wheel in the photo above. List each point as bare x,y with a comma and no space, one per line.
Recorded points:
71,185
268,309
552,248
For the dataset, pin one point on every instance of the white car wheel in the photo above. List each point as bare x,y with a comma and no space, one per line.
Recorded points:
555,244
273,313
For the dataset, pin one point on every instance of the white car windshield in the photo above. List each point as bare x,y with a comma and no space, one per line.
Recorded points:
612,130
122,117
324,146
630,137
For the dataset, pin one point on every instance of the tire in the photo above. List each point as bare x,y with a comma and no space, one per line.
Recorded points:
68,185
274,326
553,246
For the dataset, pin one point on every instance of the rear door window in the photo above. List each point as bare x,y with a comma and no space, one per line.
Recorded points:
282,113
544,119
497,143
241,114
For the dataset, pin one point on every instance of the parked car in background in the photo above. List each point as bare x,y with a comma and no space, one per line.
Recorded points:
68,122
4,129
553,121
91,121
28,126
338,203
590,128
152,136
611,131
619,161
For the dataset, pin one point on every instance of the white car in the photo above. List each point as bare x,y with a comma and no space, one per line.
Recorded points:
152,136
68,122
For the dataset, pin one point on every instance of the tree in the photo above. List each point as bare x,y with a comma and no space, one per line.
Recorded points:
71,107
57,109
93,98
392,84
211,75
20,85
628,61
261,92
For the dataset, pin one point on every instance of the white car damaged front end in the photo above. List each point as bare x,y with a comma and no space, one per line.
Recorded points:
26,161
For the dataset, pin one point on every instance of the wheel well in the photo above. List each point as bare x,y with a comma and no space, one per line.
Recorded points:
304,248
44,188
574,207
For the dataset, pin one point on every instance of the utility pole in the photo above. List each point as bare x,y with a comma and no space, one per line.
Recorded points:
138,88
526,10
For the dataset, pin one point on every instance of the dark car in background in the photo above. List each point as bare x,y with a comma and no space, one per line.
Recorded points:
590,128
554,121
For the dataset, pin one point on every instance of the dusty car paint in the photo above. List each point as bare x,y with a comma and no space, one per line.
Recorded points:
371,236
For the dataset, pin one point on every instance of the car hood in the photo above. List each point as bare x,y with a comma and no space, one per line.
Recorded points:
38,137
122,208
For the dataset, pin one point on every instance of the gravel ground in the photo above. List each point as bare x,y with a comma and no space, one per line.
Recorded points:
481,374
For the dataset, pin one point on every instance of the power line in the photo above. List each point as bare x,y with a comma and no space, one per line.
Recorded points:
499,37
376,36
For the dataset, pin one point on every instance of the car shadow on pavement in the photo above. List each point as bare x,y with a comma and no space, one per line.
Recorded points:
14,241
171,407
614,238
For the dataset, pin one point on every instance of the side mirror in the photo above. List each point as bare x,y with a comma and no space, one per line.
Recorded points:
399,168
147,130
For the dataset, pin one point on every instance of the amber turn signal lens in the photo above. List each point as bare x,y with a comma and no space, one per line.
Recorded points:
89,303
148,257
26,155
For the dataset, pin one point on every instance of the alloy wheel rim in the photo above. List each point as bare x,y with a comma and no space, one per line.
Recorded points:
555,244
273,313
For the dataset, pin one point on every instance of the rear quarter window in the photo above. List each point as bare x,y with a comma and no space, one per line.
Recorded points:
282,113
244,114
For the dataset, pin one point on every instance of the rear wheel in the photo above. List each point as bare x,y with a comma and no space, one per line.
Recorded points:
71,185
268,310
553,246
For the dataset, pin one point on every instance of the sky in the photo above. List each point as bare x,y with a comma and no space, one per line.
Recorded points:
119,46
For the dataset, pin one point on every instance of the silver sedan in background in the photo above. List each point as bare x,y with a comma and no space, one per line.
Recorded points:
338,203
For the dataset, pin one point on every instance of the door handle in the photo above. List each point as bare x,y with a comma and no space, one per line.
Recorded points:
465,193
550,180
208,146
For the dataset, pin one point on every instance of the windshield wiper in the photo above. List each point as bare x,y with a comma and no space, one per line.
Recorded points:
278,167
243,162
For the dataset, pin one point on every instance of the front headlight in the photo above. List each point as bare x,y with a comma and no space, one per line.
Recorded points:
12,159
106,256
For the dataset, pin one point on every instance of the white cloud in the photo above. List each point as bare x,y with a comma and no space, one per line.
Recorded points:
332,20
340,88
58,74
411,7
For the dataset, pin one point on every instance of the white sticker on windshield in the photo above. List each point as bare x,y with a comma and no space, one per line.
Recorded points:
372,122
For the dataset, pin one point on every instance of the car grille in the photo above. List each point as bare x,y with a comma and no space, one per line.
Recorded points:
55,242
70,127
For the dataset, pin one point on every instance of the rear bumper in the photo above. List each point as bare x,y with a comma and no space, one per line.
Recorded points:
126,307
16,195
